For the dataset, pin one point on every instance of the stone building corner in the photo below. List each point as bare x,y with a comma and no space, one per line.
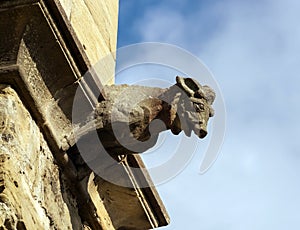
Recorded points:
46,47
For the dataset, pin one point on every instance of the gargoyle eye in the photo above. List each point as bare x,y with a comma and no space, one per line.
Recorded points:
199,107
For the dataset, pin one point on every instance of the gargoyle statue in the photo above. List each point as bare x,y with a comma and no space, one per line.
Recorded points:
131,117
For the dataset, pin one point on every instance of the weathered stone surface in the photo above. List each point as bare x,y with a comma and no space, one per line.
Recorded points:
32,193
43,56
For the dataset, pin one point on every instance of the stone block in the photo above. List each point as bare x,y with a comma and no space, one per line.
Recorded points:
95,23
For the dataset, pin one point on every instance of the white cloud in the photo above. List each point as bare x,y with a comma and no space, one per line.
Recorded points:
253,48
159,24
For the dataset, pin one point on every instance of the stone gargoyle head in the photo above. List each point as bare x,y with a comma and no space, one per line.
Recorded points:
191,107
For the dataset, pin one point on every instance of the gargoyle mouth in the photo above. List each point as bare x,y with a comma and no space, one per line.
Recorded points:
200,131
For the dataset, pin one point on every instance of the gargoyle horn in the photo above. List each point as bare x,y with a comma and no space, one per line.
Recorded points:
191,87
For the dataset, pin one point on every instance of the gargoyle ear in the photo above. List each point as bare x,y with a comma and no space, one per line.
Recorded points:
211,112
189,85
210,95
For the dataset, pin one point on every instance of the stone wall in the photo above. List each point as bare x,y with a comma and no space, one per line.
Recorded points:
46,47
33,193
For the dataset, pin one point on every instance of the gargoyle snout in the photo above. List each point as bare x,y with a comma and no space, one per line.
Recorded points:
200,130
202,133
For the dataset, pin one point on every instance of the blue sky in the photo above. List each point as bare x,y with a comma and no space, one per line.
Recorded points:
253,50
